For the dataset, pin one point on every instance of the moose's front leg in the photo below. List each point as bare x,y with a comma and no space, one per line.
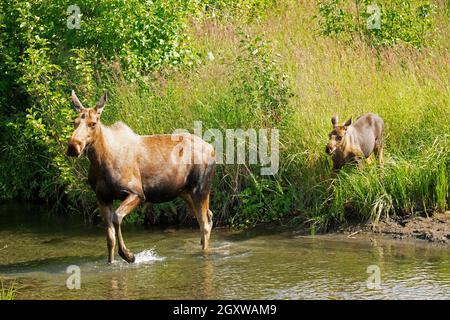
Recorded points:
359,157
126,207
369,159
106,212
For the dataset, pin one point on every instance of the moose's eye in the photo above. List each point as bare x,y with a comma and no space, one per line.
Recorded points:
338,138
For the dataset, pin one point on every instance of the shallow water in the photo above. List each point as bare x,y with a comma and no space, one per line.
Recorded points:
36,251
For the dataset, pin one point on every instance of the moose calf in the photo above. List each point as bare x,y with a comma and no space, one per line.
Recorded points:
353,142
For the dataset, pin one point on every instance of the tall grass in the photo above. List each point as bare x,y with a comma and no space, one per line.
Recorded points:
407,87
402,187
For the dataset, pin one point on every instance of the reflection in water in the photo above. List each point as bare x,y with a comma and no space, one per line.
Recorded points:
207,274
118,287
36,250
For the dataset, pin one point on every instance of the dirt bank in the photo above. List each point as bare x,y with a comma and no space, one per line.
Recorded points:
435,228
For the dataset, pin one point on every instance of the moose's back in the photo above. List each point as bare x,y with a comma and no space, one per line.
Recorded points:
368,129
157,167
172,163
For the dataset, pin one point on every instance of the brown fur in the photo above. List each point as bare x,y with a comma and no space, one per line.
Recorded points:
137,169
353,142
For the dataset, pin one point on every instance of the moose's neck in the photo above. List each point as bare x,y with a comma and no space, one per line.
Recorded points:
343,150
99,150
349,138
345,143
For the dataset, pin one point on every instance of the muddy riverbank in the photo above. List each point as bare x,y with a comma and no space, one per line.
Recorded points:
435,228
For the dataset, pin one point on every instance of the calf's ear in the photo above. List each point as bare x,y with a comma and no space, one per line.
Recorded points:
76,102
334,120
348,122
101,103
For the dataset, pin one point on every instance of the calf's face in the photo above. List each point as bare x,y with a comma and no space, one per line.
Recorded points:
337,135
86,126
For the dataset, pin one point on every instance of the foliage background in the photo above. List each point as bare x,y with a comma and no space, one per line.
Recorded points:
233,64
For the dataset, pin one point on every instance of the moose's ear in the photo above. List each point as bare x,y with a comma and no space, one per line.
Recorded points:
334,120
101,103
76,102
348,122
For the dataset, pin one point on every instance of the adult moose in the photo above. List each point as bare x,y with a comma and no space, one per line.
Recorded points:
135,169
353,142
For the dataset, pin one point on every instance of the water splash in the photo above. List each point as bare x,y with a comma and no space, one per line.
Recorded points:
147,256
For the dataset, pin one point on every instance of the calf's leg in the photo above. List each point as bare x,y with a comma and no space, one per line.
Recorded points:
106,213
359,157
125,208
380,155
369,159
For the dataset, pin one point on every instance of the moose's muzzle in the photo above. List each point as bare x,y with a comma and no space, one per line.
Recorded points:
74,149
329,149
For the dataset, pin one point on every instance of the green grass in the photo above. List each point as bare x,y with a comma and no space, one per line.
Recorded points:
407,87
413,186
9,292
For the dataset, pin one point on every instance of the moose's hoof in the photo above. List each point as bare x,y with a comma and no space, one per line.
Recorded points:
128,256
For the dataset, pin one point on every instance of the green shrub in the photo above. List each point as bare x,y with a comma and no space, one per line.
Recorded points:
223,8
399,21
260,85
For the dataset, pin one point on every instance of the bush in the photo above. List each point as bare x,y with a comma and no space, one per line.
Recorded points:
261,92
249,9
384,23
260,84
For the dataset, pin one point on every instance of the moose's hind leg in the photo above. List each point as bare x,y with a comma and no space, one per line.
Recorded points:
199,206
187,198
204,217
